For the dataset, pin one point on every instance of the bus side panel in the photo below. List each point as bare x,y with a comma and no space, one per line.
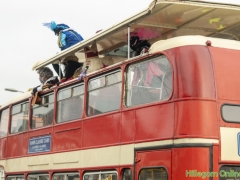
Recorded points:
227,68
193,76
196,118
151,164
3,148
155,122
101,131
67,136
188,161
128,127
17,145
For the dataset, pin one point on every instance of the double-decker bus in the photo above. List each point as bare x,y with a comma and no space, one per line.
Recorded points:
171,113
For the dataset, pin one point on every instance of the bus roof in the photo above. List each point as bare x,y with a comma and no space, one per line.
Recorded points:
169,18
16,99
193,40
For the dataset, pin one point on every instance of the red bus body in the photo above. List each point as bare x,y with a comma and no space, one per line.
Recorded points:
194,133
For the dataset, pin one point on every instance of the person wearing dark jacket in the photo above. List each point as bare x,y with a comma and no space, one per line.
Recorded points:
138,45
72,68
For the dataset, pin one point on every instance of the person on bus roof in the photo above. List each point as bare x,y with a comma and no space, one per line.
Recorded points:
67,37
138,45
72,68
46,78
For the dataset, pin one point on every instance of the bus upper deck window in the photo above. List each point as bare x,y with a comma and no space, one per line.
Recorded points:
42,114
104,93
19,118
70,103
149,81
4,123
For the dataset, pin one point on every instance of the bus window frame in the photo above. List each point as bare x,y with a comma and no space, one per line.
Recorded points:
221,112
66,174
15,176
70,87
8,123
138,61
10,113
2,173
99,173
38,175
72,92
105,75
43,103
152,167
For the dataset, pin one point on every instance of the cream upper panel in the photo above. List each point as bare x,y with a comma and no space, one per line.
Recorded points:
193,40
230,144
16,99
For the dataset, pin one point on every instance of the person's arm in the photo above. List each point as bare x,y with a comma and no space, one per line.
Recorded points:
62,41
36,89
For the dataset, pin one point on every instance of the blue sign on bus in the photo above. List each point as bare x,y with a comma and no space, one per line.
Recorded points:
39,144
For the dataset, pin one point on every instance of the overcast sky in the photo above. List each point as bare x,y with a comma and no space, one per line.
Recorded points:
23,39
